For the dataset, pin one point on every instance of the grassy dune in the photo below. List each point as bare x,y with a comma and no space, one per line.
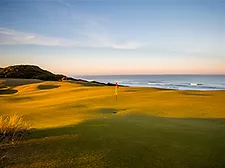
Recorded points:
79,125
18,82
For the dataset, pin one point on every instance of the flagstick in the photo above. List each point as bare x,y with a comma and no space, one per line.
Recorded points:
116,90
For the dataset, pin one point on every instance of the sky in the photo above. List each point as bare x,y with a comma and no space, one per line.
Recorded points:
93,37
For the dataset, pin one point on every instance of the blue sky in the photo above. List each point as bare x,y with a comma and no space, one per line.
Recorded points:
81,37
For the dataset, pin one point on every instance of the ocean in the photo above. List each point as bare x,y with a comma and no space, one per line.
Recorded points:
177,82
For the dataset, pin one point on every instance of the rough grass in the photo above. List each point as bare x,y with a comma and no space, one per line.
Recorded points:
84,126
12,128
2,86
18,82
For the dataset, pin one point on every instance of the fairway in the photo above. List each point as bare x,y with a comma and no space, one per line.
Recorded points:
80,125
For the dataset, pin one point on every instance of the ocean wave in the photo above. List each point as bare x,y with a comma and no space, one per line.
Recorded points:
196,84
188,86
175,82
175,86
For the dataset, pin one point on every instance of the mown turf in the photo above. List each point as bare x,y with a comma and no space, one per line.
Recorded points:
84,126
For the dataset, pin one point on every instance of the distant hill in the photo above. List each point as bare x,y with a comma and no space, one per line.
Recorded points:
36,74
29,72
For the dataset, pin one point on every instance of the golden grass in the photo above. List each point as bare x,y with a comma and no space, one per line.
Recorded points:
12,128
89,128
73,103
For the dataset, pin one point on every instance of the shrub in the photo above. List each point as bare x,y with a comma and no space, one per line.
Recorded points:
12,128
2,86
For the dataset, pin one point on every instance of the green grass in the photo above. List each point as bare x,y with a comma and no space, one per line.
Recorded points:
84,126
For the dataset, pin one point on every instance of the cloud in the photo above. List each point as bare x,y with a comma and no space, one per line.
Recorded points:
127,45
9,36
84,30
65,3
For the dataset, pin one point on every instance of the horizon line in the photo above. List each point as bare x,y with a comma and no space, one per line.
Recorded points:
145,74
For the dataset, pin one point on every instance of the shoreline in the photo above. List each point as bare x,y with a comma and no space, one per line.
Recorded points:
18,81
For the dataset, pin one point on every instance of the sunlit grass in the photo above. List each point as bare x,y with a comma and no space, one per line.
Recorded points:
59,106
12,128
78,125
